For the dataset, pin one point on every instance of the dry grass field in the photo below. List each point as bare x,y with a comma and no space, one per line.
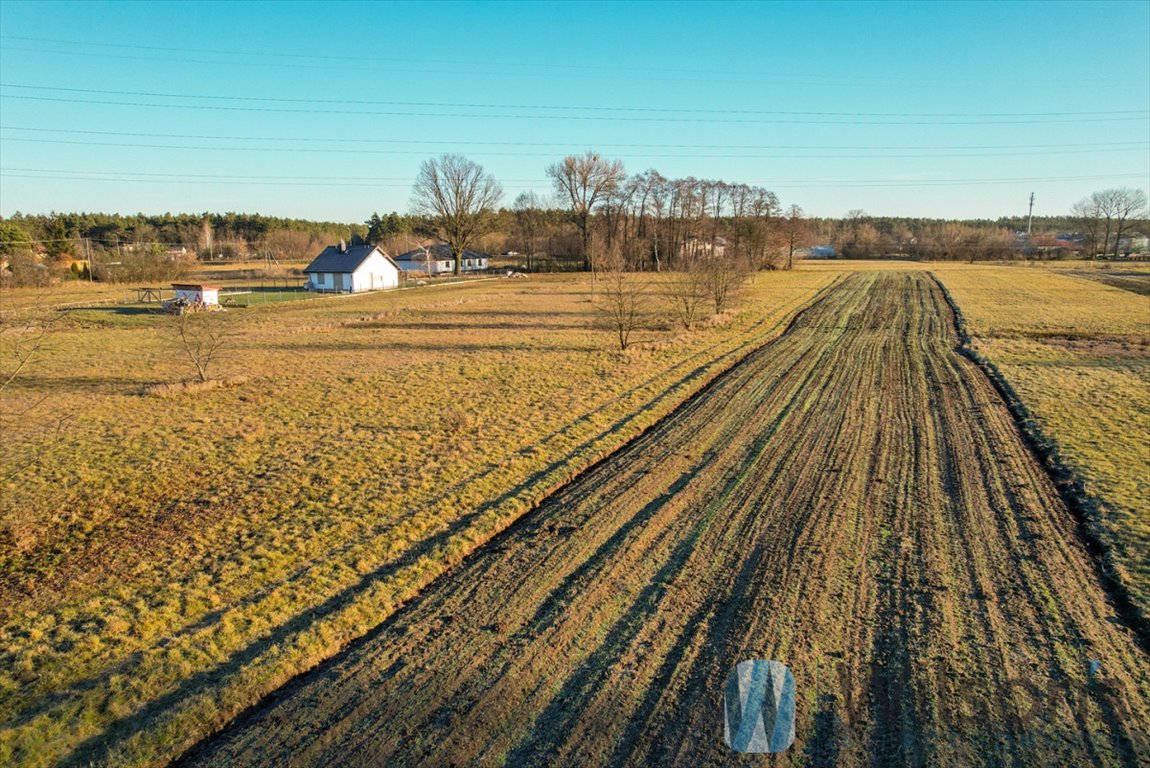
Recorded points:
1077,351
177,554
854,500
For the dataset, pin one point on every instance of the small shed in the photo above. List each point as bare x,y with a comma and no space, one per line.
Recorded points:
197,294
353,269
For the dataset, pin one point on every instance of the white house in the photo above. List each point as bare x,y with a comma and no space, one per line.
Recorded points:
196,294
437,260
352,270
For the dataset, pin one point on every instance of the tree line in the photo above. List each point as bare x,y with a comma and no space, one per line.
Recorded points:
597,216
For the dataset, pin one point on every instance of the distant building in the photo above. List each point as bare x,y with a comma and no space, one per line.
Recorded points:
438,260
343,269
695,247
197,294
822,252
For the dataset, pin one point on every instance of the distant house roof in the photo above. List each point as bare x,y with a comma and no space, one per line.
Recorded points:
332,259
440,251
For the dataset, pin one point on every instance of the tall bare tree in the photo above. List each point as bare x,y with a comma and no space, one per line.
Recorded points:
796,233
528,222
1088,219
623,301
582,182
1123,204
460,197
687,290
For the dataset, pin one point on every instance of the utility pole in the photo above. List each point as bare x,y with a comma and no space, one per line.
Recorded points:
88,257
1030,216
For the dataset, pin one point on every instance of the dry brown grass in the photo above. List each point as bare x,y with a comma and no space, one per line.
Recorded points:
181,555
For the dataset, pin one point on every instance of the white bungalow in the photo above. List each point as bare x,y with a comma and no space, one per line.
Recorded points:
438,260
352,270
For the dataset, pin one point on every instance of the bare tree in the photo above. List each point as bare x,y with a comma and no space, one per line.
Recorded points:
796,233
201,336
582,183
31,426
687,290
1124,204
528,222
460,197
1088,217
724,275
623,301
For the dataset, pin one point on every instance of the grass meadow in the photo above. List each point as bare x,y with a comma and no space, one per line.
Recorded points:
1077,351
177,552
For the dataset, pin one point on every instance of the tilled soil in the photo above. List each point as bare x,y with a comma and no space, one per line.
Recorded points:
853,500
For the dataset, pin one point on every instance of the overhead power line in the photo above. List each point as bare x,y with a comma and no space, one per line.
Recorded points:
812,120
205,179
314,59
1010,148
565,108
511,153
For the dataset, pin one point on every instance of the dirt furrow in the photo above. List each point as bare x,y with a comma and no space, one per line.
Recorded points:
853,500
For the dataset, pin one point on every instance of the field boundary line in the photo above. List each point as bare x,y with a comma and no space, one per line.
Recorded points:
510,529
1083,505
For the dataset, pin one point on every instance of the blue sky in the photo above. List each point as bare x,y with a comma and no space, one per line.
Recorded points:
325,110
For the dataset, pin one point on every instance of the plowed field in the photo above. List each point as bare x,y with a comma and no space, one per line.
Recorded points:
853,500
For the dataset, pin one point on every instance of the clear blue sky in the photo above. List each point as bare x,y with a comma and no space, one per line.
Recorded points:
325,110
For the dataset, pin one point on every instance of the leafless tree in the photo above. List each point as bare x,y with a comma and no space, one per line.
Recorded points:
201,336
724,275
30,426
1088,218
622,303
1120,205
528,222
687,291
582,182
291,244
460,197
796,233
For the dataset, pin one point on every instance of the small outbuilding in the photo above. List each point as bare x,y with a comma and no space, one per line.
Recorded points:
197,294
343,269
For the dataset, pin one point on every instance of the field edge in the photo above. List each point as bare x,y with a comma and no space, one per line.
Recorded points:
1071,487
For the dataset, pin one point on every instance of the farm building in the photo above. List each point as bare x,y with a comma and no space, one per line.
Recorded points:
352,270
197,294
441,260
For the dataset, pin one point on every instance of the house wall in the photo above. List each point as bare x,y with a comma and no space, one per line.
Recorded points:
419,268
193,296
375,273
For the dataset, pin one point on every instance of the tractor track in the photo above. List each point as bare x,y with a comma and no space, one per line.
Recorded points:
853,499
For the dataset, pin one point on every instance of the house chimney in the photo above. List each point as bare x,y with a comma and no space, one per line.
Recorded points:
342,247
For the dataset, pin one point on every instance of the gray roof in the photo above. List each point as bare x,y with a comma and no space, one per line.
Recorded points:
334,260
438,251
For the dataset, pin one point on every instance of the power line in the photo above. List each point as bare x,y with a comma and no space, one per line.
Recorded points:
309,61
597,118
490,153
564,108
156,178
1015,148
